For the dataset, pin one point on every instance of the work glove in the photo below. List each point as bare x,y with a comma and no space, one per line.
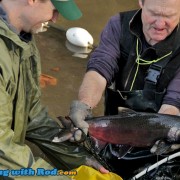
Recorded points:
92,162
79,111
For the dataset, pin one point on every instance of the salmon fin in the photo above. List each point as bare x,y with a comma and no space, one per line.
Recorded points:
97,144
125,110
161,147
62,136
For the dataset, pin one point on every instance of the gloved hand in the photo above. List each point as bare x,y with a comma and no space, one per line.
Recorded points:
92,162
79,111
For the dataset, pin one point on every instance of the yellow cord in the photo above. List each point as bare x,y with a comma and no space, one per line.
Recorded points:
140,61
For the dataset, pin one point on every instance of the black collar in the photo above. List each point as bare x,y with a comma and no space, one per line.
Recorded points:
26,37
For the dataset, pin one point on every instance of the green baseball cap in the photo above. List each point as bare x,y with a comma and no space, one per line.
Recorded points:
67,8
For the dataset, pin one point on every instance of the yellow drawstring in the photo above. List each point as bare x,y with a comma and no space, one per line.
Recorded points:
140,61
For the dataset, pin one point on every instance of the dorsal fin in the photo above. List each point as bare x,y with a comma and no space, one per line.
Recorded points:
125,110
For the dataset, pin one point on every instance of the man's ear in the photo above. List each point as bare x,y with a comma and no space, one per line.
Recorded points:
140,3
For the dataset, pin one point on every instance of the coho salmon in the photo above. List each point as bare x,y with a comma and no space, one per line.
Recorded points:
138,129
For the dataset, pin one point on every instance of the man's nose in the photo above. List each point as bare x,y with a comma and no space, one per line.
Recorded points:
160,22
55,16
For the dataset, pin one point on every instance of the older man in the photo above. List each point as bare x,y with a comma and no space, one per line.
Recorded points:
137,62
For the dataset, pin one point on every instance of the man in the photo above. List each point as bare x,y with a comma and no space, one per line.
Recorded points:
19,80
136,62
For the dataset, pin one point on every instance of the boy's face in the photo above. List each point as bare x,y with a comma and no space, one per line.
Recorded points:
38,12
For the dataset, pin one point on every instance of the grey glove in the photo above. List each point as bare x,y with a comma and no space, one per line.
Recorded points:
92,162
79,111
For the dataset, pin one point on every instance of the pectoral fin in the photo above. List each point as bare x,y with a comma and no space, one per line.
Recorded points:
161,147
64,135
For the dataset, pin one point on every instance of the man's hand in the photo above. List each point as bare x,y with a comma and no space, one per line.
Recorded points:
79,111
92,162
169,109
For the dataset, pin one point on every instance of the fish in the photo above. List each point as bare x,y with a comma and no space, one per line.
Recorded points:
136,129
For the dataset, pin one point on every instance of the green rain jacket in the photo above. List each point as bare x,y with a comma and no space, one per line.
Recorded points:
20,102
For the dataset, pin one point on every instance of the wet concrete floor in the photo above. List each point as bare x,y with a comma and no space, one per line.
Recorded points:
54,54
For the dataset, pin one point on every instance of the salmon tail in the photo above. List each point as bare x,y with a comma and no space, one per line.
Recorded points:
63,136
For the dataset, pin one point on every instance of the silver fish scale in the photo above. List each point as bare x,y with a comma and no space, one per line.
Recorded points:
151,126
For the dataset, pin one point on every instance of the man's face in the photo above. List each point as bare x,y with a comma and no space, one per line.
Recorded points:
38,13
159,18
